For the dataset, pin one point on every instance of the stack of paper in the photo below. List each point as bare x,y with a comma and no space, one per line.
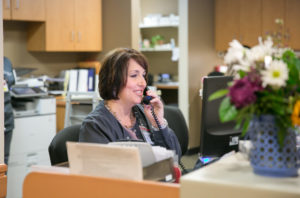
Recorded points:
149,154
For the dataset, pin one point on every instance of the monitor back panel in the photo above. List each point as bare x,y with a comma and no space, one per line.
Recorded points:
216,138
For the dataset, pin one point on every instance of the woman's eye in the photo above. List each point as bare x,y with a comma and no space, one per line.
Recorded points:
133,75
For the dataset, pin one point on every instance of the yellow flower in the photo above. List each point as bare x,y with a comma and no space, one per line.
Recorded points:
296,114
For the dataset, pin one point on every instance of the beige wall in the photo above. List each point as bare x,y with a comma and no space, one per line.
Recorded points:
164,7
116,24
202,59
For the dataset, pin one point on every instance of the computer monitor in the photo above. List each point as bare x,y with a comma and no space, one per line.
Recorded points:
216,138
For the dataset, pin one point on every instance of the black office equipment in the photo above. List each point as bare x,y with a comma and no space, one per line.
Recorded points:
27,92
217,138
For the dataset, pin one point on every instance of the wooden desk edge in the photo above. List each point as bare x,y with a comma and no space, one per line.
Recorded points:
70,185
3,180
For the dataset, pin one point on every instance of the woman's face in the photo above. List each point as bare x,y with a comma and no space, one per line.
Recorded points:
132,93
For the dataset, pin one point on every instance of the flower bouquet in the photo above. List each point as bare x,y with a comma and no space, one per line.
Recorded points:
266,88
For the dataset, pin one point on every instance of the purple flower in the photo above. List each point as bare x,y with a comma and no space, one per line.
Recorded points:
255,79
242,93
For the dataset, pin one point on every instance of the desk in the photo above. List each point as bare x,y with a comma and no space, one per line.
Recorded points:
233,177
64,185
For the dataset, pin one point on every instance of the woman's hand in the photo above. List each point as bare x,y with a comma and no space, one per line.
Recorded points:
158,108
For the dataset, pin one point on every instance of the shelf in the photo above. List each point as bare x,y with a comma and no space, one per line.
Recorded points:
166,85
159,26
155,50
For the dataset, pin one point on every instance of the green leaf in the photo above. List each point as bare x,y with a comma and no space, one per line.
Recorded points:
238,123
242,73
227,111
297,63
218,94
281,136
246,125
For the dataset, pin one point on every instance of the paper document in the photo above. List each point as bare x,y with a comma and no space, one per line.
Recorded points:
157,161
149,154
105,160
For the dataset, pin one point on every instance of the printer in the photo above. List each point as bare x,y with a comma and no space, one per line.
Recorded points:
33,106
35,127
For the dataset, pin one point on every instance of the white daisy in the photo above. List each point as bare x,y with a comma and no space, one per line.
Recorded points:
258,52
235,52
276,74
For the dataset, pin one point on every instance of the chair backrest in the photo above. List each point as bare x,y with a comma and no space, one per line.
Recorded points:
57,148
177,122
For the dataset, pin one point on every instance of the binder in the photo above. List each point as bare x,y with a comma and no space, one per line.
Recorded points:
73,80
91,79
82,80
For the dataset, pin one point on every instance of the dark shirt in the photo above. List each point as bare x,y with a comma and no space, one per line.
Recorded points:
100,126
8,110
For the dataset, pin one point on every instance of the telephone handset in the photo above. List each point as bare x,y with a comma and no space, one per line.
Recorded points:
146,99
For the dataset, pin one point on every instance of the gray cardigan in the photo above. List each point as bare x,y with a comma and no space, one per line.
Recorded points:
100,126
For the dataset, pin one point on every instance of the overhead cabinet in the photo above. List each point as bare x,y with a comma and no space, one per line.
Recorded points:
288,11
237,19
246,20
71,25
24,10
293,23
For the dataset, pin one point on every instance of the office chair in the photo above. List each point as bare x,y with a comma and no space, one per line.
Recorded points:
177,122
58,148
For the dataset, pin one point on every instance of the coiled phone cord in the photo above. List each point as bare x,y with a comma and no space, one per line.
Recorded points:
184,170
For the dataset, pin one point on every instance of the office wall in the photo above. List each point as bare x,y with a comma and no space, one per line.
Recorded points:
50,63
116,17
116,32
202,58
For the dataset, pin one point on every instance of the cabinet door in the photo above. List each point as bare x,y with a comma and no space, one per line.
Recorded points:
271,10
250,21
32,10
6,9
293,23
226,23
60,34
88,25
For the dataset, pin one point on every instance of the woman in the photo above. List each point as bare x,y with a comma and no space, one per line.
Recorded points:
120,116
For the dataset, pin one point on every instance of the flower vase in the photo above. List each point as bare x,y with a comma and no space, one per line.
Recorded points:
267,157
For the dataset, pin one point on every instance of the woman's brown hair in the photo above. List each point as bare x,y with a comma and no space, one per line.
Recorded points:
113,73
